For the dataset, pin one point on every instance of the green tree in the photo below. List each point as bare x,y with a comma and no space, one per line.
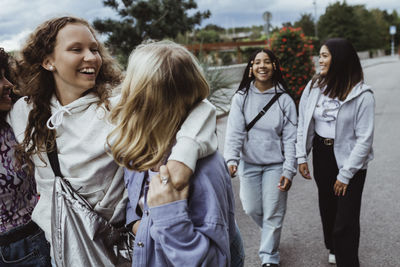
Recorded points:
208,35
151,19
375,33
340,20
306,23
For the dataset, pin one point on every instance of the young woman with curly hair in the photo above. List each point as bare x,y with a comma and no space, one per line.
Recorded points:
68,79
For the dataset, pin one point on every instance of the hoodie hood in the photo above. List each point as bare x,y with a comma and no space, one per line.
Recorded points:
58,111
268,91
76,106
357,90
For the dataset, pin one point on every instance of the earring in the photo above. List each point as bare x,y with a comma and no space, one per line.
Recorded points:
273,63
251,69
51,68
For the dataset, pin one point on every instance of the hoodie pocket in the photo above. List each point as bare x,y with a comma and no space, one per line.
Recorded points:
263,151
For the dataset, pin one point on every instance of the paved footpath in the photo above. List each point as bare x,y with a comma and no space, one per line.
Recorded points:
302,242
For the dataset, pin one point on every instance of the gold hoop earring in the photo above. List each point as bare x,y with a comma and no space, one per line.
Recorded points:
251,69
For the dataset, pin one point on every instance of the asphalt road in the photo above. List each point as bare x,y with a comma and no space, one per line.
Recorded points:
302,240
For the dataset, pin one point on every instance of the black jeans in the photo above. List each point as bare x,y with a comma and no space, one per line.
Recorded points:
340,215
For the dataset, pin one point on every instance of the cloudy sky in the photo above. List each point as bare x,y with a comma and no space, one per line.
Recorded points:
19,17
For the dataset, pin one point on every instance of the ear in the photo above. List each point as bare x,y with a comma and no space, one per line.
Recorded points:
47,64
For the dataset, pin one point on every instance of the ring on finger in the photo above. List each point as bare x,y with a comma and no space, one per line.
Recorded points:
164,179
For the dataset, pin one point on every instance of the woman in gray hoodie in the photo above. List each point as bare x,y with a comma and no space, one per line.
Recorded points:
266,151
336,119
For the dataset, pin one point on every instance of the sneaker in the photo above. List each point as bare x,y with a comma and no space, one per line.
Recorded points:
270,265
332,258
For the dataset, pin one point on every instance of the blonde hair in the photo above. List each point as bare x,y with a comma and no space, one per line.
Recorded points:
162,84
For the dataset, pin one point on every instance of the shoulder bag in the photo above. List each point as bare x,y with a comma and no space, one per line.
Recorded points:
80,236
263,111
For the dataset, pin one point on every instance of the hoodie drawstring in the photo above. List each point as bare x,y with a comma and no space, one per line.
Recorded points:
57,118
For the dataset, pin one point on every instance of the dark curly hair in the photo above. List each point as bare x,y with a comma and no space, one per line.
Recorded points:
39,84
7,63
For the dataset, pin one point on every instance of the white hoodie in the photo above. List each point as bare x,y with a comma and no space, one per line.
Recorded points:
82,129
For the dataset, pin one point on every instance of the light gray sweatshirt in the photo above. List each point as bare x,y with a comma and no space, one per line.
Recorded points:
271,140
354,129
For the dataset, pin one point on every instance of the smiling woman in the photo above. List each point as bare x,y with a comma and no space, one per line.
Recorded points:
75,62
263,155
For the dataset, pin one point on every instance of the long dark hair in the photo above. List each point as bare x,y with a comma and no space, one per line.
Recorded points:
344,72
277,76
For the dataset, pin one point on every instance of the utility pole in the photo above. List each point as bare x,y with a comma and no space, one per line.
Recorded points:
392,31
267,18
315,18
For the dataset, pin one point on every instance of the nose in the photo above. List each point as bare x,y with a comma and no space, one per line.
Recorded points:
7,83
89,55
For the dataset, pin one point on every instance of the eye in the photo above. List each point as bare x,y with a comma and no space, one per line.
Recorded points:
76,49
94,50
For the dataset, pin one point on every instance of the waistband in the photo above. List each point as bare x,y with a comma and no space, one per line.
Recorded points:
323,140
19,233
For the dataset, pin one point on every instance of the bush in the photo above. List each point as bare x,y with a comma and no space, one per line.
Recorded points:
294,51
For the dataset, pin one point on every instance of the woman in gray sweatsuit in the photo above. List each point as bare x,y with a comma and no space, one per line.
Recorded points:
266,152
336,119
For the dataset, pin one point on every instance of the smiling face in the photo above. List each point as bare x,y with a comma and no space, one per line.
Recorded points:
5,90
262,69
325,59
75,61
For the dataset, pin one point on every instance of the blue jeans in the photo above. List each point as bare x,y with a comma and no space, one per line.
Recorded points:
265,204
237,250
32,250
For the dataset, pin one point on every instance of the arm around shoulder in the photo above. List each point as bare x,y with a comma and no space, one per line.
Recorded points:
196,138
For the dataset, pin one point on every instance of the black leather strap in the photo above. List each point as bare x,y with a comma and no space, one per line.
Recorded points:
263,111
55,164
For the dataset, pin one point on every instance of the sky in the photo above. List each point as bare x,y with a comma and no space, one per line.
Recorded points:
18,18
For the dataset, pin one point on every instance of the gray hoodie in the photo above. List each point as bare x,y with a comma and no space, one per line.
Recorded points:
271,140
354,129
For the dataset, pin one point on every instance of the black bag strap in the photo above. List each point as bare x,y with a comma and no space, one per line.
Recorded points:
263,111
55,164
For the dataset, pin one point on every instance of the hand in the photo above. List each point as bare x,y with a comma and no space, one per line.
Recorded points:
180,174
162,193
303,169
232,170
284,184
339,188
135,227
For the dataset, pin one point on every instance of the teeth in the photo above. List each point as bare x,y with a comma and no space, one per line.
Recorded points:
87,70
